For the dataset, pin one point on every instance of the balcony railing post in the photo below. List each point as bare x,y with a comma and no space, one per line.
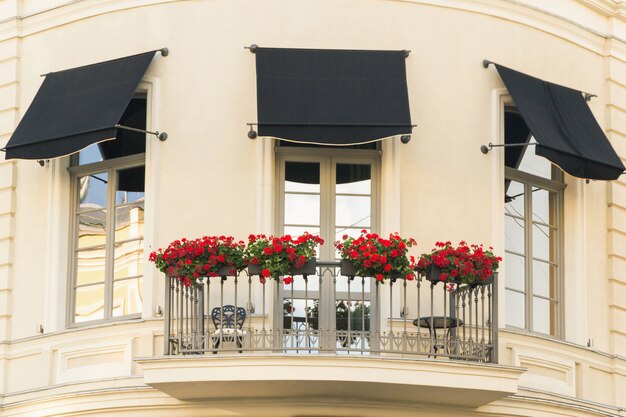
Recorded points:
493,321
167,326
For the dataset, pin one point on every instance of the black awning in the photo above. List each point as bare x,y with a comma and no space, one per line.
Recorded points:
563,126
332,97
77,107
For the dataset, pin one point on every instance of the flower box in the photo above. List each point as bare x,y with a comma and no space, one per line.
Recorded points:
347,269
309,268
434,273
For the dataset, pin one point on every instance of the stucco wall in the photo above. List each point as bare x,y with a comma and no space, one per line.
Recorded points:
209,178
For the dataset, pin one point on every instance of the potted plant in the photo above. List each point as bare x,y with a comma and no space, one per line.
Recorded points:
464,264
272,257
208,256
370,255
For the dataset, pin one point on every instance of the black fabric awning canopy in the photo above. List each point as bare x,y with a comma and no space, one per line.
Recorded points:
565,129
77,107
332,97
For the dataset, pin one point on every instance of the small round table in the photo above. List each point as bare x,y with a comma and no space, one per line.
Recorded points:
438,322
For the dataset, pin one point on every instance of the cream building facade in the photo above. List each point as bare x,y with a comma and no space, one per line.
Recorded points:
559,354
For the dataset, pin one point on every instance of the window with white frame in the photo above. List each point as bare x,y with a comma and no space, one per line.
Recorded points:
108,190
533,210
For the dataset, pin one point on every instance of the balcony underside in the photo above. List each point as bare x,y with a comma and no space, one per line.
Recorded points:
371,379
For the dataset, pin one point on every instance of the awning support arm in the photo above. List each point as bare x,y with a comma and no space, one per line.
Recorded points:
586,96
161,135
252,134
486,148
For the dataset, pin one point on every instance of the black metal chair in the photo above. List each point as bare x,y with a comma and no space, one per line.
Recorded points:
228,329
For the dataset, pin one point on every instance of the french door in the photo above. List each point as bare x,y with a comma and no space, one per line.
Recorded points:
331,193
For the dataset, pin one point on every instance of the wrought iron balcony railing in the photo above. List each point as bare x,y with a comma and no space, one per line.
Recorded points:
331,313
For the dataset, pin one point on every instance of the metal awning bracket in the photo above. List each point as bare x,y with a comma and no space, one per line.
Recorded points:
486,148
161,135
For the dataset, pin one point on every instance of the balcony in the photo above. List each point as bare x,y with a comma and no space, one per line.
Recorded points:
233,336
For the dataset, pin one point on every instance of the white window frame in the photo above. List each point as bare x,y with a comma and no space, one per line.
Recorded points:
552,185
57,279
110,166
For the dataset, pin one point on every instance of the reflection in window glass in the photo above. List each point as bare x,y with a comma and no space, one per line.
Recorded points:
543,274
128,222
302,209
127,297
541,315
353,179
128,259
515,272
514,234
534,164
302,177
541,242
352,211
515,309
89,303
92,191
130,185
90,265
92,228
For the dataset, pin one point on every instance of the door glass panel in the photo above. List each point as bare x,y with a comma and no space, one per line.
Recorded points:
302,209
351,211
302,177
353,179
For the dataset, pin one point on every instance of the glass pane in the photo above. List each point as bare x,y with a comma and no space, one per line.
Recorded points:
353,179
542,199
302,177
544,278
542,317
130,185
541,242
534,164
514,198
353,211
92,191
90,154
357,311
515,271
128,259
89,303
515,309
90,265
129,222
127,297
302,209
514,234
92,228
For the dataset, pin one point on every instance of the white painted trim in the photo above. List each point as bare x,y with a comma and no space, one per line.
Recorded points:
151,278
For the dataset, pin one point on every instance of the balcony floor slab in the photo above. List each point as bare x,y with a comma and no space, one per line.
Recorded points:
373,379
